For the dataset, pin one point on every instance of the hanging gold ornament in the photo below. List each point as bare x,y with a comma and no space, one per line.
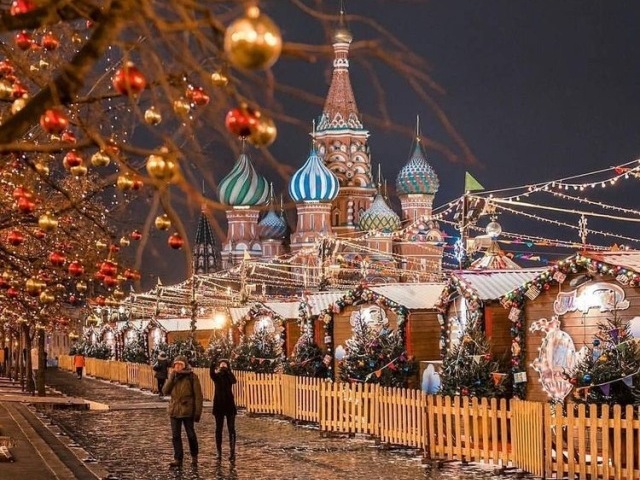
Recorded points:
124,242
162,167
81,286
181,107
152,116
264,133
118,294
219,79
34,286
100,159
253,41
18,104
6,90
125,182
76,38
42,168
78,171
47,297
162,222
47,222
100,244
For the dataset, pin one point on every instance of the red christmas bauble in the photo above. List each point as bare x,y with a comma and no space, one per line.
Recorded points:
75,269
6,68
68,137
23,40
20,7
198,96
128,80
101,301
72,159
20,192
13,293
110,281
25,205
108,268
18,90
175,241
241,121
49,41
137,184
15,238
57,259
53,121
99,276
136,235
72,299
464,391
114,248
39,233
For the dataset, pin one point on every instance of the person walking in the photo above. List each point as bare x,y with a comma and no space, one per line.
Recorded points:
185,408
161,369
79,362
224,405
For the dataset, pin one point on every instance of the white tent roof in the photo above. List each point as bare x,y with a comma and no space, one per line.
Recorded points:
414,296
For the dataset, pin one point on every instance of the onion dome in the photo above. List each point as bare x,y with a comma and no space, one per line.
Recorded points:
314,182
379,217
417,176
243,186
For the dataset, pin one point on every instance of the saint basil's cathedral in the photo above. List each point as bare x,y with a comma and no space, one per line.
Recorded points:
337,202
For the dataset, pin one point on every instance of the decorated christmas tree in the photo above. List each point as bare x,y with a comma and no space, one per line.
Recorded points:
260,352
375,354
220,346
306,359
608,370
196,356
469,369
136,350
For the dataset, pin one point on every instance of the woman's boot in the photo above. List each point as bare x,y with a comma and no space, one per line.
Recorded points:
232,447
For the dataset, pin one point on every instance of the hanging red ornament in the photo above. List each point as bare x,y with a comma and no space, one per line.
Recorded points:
72,159
68,137
57,259
20,7
15,238
113,248
175,241
108,268
24,40
49,41
53,121
72,299
128,80
197,96
39,233
99,276
18,90
137,184
110,281
25,205
241,121
75,269
136,235
101,301
12,292
20,192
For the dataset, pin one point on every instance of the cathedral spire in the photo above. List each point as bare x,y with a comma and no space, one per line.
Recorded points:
206,252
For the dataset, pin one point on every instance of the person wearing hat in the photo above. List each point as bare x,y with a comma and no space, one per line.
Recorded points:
224,405
185,408
161,369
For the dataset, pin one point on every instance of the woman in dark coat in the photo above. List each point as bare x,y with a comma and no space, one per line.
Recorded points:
161,369
224,405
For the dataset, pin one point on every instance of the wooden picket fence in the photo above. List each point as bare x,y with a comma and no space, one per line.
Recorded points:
547,441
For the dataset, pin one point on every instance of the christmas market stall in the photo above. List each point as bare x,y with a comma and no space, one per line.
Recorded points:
378,333
581,318
175,329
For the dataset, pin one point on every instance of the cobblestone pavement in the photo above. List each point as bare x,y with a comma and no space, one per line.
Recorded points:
135,445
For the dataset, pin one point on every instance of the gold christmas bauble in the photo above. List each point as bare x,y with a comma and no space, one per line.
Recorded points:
34,286
124,242
47,297
42,168
81,286
219,79
264,133
162,222
182,107
100,159
253,41
78,171
125,182
100,244
152,116
47,222
18,104
118,294
6,90
161,167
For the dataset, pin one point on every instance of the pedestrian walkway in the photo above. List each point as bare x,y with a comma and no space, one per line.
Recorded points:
135,444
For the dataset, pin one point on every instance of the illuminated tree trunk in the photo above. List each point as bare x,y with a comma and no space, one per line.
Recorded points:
40,380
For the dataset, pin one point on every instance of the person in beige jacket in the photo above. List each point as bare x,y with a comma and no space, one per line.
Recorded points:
185,408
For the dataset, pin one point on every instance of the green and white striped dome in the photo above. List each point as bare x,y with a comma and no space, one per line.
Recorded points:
379,217
243,186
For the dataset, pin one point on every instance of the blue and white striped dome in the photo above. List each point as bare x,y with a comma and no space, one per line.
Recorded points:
314,182
272,226
243,186
417,176
379,217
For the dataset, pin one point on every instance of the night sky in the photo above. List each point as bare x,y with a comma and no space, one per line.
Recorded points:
537,89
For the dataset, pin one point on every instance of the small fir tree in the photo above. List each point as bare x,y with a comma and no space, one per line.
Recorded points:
608,372
376,356
260,352
220,346
195,353
135,350
306,359
468,367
